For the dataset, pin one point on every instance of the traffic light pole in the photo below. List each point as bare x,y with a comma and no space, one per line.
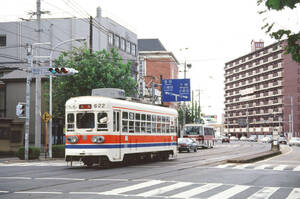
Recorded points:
27,111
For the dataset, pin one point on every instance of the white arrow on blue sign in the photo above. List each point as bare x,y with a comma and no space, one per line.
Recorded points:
176,90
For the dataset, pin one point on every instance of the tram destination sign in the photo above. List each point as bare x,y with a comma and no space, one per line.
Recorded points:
176,90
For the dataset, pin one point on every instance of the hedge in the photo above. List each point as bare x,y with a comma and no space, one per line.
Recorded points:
58,151
34,153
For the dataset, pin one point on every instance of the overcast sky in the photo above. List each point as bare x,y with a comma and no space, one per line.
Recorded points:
214,32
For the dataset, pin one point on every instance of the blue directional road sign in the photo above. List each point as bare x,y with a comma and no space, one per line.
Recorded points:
176,90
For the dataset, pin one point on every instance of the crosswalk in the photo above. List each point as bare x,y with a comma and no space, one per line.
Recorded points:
259,167
169,189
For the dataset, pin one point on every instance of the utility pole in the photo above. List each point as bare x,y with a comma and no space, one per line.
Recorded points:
27,109
247,105
292,116
91,34
38,82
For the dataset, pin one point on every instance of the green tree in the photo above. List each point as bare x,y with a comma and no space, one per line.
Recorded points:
293,39
101,69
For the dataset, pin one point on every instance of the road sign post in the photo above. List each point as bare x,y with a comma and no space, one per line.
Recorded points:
46,117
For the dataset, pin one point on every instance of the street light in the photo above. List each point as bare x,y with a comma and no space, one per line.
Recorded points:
50,90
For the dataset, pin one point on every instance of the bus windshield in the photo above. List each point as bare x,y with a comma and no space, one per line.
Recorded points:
191,130
85,120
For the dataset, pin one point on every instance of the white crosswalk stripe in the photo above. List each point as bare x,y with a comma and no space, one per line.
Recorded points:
261,166
224,166
132,188
164,189
296,168
230,192
242,166
264,193
195,191
295,193
280,167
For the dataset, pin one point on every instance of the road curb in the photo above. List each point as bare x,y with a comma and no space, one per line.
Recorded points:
255,157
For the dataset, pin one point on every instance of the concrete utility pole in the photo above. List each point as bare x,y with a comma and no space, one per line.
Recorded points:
38,83
27,110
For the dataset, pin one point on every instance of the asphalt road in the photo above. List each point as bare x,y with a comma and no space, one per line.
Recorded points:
192,175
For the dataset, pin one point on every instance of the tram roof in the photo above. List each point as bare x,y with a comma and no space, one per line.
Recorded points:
119,103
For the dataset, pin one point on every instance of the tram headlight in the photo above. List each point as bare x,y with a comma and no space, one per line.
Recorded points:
97,139
72,139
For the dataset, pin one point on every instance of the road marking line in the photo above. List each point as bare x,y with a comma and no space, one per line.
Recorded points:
38,192
110,179
75,179
192,192
261,166
79,193
223,166
4,191
242,166
131,188
264,193
230,192
164,189
296,168
16,178
294,194
280,167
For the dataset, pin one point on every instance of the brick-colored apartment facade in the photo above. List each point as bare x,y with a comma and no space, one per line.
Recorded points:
263,88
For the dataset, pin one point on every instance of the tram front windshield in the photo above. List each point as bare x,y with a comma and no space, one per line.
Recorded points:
85,120
191,130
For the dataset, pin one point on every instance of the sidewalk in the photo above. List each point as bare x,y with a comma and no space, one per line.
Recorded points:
8,160
259,156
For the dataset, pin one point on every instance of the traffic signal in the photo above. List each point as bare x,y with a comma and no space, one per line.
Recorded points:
20,109
63,71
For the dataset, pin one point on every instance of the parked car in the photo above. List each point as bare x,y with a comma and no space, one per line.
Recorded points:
294,141
187,144
233,138
282,140
252,139
243,138
267,139
225,139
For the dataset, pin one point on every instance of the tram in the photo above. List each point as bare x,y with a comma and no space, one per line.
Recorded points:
102,130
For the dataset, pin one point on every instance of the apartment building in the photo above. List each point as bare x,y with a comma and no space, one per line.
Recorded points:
262,92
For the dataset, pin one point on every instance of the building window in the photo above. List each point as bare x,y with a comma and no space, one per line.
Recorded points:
2,40
117,41
110,38
133,49
122,44
128,47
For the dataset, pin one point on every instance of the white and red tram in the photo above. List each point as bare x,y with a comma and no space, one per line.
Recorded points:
100,130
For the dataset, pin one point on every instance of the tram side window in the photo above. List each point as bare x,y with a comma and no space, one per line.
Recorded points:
172,125
131,122
125,122
143,123
158,124
102,120
148,129
153,123
85,120
116,121
70,122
